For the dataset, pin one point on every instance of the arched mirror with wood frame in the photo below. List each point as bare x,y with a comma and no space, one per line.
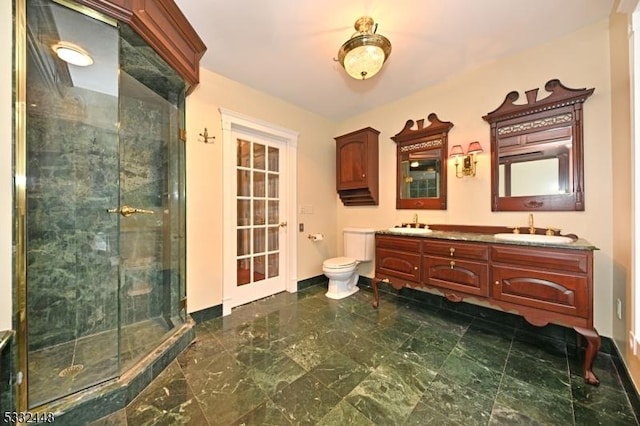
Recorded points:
537,151
421,181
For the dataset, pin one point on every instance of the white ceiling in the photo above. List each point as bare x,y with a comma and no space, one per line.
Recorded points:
286,47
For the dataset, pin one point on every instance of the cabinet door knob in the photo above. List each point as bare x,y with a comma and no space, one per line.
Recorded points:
363,175
415,267
452,264
452,251
497,282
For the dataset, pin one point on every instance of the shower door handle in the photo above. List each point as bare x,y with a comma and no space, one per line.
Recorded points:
127,211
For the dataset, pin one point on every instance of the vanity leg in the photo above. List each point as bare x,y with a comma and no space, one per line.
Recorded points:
374,285
593,345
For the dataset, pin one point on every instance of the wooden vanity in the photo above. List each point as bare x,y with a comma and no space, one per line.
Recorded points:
544,283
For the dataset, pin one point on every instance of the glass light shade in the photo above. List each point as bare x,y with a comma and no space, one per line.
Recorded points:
72,54
474,148
364,62
456,151
363,55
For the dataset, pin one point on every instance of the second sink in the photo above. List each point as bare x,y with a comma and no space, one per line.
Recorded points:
534,238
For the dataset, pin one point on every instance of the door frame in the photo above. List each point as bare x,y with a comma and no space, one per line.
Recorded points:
234,121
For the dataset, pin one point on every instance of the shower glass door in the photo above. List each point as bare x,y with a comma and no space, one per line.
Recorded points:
72,176
104,194
151,209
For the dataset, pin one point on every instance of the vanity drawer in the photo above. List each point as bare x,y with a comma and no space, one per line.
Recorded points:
411,245
456,250
554,259
549,291
398,264
460,275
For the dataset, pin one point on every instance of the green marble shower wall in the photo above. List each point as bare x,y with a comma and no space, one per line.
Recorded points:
72,174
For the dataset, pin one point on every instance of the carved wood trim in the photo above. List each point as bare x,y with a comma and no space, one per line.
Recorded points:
436,127
559,96
163,26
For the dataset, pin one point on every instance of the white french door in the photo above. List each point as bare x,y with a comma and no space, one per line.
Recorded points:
259,236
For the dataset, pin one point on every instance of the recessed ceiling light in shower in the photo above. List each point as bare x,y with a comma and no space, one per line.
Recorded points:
72,54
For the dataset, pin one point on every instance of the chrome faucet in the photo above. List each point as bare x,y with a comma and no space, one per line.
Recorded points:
532,229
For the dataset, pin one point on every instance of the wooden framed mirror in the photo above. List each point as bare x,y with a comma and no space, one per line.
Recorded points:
421,179
537,151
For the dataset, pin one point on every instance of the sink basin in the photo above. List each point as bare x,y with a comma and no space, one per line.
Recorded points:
411,231
534,238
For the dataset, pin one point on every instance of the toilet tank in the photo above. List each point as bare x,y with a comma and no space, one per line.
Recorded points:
359,243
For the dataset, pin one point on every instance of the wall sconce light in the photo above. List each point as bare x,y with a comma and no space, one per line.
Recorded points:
363,55
469,159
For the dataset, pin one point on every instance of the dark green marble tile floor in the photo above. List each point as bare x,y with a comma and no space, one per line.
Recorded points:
304,359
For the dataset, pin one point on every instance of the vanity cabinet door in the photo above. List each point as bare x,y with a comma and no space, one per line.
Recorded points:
459,275
398,264
398,257
550,291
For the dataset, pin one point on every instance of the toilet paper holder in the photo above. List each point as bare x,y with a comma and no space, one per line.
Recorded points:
315,237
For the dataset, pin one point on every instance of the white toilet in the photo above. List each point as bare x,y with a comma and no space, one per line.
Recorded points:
342,271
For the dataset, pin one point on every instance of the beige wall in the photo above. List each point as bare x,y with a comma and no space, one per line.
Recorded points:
578,60
6,224
315,181
622,187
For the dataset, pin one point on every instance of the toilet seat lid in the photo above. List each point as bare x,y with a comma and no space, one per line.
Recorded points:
339,262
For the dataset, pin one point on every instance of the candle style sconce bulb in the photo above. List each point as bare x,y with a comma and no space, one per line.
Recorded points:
469,159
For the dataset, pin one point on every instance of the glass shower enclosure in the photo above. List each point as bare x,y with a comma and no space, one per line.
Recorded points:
103,199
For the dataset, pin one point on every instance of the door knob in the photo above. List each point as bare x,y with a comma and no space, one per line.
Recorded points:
127,211
283,224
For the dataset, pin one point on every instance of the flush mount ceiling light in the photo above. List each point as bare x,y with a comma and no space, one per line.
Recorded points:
72,54
363,55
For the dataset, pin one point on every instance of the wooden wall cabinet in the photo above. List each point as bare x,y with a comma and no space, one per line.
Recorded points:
545,285
357,167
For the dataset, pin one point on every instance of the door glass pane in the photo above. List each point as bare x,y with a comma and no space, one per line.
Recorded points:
258,212
274,260
259,240
258,156
274,181
258,184
244,242
244,183
258,268
244,212
273,212
274,159
244,150
274,236
243,271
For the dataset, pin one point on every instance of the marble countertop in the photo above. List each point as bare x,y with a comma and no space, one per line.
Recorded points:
579,244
